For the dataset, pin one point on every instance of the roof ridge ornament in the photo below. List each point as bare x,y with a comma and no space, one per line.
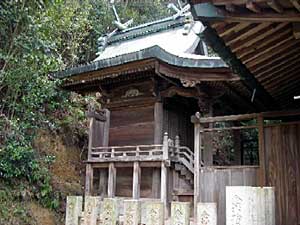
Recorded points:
181,11
103,40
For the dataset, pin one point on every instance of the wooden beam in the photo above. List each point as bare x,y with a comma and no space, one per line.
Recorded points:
230,8
268,50
253,30
277,66
233,28
251,5
296,4
263,65
112,173
269,55
274,4
286,69
209,12
264,42
211,37
246,45
296,30
136,186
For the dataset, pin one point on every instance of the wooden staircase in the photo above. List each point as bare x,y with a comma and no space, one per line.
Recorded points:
182,160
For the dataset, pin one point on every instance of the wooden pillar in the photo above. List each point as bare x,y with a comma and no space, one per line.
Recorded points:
88,179
136,180
208,143
103,183
261,141
156,183
158,138
112,173
164,175
158,122
90,144
197,165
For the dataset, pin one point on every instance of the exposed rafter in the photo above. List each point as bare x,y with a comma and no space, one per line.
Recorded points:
218,45
207,11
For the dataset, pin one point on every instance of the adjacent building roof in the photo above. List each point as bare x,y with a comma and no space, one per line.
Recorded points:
260,40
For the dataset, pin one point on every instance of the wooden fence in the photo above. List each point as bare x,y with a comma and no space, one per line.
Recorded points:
213,182
279,161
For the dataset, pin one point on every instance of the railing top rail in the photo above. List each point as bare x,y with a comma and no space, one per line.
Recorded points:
129,146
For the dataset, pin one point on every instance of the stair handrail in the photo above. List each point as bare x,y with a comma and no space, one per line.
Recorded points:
184,155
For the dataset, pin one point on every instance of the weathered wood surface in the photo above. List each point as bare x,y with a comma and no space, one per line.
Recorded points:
282,147
132,126
207,213
250,206
73,210
213,182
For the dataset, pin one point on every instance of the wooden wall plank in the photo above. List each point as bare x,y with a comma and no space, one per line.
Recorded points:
214,181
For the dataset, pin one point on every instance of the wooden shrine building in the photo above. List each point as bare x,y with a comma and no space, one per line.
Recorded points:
164,131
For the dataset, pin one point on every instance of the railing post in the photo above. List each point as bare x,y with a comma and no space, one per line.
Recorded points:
165,147
177,145
164,175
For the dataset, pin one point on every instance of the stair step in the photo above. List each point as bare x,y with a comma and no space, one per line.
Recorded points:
178,166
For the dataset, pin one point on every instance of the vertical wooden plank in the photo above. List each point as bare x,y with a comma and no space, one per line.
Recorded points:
106,127
89,179
103,182
298,170
261,142
73,210
288,144
156,183
158,122
197,163
90,145
208,141
136,180
221,183
112,173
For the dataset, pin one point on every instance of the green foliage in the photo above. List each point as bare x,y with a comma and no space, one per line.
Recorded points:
36,38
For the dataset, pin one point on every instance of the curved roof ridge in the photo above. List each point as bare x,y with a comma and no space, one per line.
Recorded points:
157,52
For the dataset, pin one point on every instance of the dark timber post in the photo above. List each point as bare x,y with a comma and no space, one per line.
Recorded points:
197,162
164,175
158,139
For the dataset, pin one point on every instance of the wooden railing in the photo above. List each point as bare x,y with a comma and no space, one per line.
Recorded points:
127,153
165,152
